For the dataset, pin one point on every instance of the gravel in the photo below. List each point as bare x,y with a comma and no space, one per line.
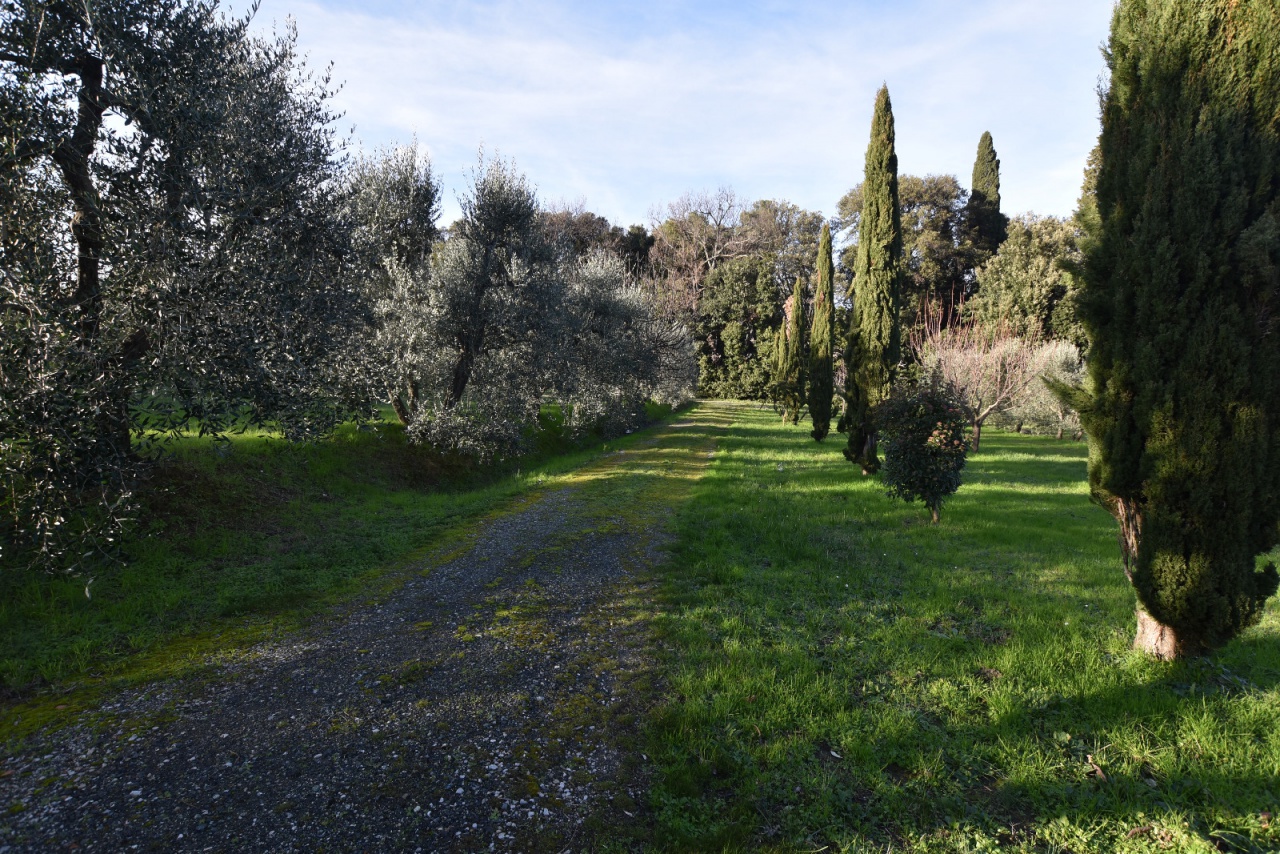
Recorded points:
490,704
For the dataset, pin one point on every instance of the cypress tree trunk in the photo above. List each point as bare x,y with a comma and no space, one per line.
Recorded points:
1180,298
874,336
987,225
821,334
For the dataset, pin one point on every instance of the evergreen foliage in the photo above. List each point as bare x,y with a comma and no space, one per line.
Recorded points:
789,381
938,256
169,255
1028,286
987,225
922,429
739,319
874,342
504,318
1182,284
821,333
391,201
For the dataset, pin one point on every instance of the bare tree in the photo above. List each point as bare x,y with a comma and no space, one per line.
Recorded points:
990,367
699,231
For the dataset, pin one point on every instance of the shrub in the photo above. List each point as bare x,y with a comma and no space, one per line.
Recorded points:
922,431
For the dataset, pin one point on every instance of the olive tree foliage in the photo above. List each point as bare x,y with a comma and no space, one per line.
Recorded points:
473,328
169,252
391,202
503,317
618,349
1039,410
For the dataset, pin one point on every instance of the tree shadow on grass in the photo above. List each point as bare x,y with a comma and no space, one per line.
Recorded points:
778,538
1093,781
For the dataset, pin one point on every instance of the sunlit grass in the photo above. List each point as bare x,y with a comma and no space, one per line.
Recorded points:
844,674
243,538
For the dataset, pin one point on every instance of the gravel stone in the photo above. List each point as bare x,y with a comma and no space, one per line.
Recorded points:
489,704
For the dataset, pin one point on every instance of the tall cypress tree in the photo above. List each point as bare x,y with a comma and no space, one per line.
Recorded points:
874,336
987,226
791,368
1182,287
821,334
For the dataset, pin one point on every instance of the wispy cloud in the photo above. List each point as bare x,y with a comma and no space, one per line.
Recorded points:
627,109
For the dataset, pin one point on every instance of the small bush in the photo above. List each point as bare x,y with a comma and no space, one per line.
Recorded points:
922,432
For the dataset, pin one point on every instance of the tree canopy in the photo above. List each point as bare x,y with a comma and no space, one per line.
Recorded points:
1029,285
178,263
739,325
937,253
987,224
1179,300
874,342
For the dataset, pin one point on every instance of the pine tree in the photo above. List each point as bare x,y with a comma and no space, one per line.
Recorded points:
790,381
987,225
874,336
1182,283
821,334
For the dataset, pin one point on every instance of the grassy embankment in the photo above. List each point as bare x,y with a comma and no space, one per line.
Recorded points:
846,676
245,540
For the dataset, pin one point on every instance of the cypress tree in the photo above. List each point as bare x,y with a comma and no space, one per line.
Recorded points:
791,367
821,334
987,225
874,336
1182,286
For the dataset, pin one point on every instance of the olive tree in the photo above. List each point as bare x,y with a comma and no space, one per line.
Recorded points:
618,351
391,202
502,320
1038,409
180,263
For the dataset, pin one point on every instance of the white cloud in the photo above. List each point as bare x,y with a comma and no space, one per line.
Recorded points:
627,113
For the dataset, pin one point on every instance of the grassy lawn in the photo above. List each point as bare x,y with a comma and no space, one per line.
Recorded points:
245,540
845,676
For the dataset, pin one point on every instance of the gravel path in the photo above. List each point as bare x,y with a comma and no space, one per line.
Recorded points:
493,702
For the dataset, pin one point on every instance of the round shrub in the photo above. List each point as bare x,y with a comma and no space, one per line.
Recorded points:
922,433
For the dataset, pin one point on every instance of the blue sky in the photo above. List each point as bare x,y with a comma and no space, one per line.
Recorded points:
626,106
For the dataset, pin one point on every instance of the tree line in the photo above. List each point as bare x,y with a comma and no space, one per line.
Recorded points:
186,248
1166,275
967,277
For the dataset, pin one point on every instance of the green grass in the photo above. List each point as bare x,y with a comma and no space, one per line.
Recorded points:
844,676
240,541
